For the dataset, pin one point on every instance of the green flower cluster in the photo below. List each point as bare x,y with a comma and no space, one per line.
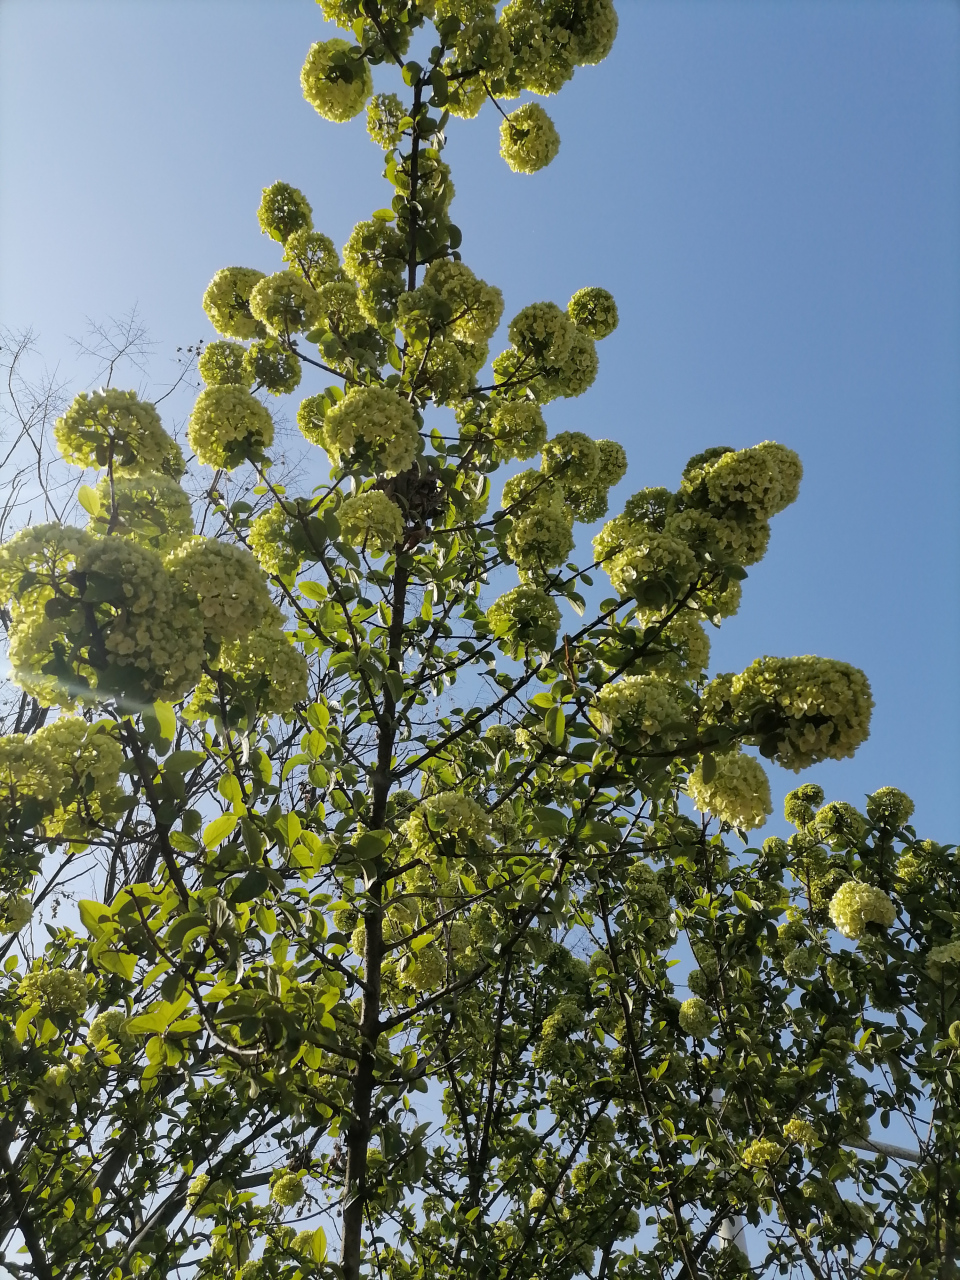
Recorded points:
517,430
654,568
227,302
262,665
384,114
802,1133
111,1025
54,990
856,905
763,480
594,311
641,710
115,427
285,303
738,793
284,210
889,807
287,1190
370,426
475,307
313,256
223,583
224,363
276,539
839,824
151,509
525,619
682,650
585,469
548,40
270,366
375,257
695,1017
528,139
804,709
16,912
761,1154
335,81
372,521
228,426
446,814
947,955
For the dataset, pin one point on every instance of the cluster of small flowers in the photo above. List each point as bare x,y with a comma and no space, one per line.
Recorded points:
744,540
375,257
594,311
475,306
262,665
372,421
223,583
313,256
372,521
16,912
287,1190
109,1025
55,1089
525,619
273,539
889,807
284,210
695,1017
650,901
824,706
683,648
88,756
268,365
839,824
547,42
227,302
585,469
284,303
738,793
640,709
446,814
228,426
802,1133
942,956
151,509
764,479
517,429
54,990
339,308
651,557
800,804
384,113
856,905
116,426
528,138
761,1154
335,81
542,536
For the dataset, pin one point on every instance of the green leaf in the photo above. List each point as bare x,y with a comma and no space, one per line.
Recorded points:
166,718
556,724
92,916
251,886
121,962
89,499
708,767
216,832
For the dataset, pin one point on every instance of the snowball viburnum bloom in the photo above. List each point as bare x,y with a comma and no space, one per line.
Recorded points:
856,905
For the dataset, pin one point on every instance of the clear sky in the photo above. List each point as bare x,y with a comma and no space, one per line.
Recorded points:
770,188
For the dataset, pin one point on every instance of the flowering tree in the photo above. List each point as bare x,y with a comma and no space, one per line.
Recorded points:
354,973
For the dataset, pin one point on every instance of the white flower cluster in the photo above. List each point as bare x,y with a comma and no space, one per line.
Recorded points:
585,469
284,210
227,302
738,793
822,706
764,479
263,665
151,509
856,905
518,429
312,255
54,990
371,424
650,556
285,303
228,426
446,813
372,521
335,82
695,1017
640,709
224,585
525,619
115,426
528,138
475,306
594,311
222,363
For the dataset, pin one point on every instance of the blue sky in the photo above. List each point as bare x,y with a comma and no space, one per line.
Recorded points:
770,188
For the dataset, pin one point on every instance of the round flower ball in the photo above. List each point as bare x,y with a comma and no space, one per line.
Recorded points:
738,793
696,1018
525,618
287,1190
285,303
335,81
283,210
227,302
228,426
762,1153
528,139
271,367
151,509
889,807
594,312
518,429
374,421
116,426
372,521
856,905
222,364
226,583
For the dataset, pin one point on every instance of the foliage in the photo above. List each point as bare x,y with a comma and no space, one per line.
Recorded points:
358,963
